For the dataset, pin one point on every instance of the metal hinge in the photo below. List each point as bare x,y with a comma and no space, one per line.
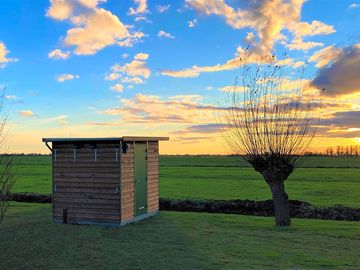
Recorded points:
55,154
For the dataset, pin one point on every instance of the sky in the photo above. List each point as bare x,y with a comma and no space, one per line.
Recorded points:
97,68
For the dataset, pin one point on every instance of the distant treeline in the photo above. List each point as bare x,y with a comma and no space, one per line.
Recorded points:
343,151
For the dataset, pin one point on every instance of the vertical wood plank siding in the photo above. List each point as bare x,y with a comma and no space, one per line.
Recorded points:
87,186
127,183
153,176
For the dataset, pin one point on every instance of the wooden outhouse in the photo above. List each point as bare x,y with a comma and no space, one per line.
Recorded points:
108,181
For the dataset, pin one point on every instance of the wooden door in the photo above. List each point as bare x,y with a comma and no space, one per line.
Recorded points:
140,179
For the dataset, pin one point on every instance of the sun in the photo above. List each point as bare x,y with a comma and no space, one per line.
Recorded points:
357,140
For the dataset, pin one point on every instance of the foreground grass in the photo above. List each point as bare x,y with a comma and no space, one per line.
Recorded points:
173,240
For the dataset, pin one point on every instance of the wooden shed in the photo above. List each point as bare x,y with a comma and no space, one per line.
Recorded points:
107,181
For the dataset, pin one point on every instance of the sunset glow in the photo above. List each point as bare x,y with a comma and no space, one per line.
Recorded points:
80,68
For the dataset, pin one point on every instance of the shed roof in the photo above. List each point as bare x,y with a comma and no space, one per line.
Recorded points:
124,138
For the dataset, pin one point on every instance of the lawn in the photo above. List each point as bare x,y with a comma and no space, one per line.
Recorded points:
321,187
174,240
233,161
328,182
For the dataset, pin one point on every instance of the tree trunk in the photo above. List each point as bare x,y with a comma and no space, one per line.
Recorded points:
281,203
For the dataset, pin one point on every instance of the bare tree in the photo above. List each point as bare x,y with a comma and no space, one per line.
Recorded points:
7,178
270,122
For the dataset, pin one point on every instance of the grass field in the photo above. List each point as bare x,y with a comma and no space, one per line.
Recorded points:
231,161
178,240
174,240
321,181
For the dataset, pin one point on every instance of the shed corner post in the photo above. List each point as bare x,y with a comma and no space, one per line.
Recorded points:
119,158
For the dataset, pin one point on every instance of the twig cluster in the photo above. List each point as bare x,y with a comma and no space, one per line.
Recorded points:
269,115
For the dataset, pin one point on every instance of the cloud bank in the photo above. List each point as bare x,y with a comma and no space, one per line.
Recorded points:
342,76
94,28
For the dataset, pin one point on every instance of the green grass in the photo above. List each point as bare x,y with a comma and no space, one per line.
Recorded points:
174,240
321,187
230,161
211,177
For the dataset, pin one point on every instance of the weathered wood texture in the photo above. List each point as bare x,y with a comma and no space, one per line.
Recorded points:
87,185
127,183
98,185
153,176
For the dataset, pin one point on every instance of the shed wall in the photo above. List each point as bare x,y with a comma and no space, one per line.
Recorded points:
89,189
127,183
153,176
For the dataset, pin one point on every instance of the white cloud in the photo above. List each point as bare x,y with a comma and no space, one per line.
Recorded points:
141,56
303,29
58,54
131,73
142,18
192,23
13,98
180,109
67,9
100,30
93,29
66,77
195,70
303,45
133,80
325,56
124,55
60,10
298,64
132,39
27,113
112,76
117,88
61,119
3,55
268,19
140,9
165,34
354,5
238,60
163,8
231,88
134,68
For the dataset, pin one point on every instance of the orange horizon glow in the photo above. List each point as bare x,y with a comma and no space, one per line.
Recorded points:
214,145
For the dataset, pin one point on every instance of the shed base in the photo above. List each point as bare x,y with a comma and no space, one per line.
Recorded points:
109,224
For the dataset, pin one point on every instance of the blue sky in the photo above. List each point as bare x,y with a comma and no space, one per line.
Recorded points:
38,105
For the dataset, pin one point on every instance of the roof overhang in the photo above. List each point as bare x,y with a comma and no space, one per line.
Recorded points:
114,139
